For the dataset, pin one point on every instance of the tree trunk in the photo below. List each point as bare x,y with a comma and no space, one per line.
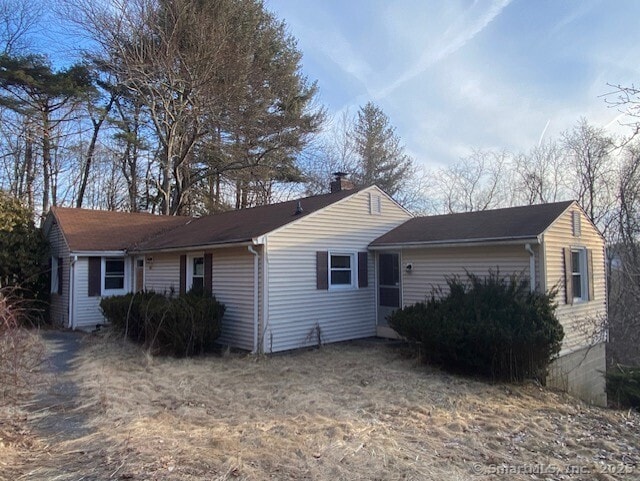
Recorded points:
238,193
30,171
216,192
46,160
97,124
165,207
132,164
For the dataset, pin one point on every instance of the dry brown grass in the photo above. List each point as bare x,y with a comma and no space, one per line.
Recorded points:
21,350
21,355
352,411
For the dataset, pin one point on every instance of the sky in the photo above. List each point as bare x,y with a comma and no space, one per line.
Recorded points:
455,75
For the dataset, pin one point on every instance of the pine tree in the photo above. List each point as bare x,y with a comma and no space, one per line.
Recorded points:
33,89
381,157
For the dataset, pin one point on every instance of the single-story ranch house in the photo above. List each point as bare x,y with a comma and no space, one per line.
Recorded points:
332,267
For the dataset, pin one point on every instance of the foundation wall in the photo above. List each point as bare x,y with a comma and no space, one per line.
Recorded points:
582,374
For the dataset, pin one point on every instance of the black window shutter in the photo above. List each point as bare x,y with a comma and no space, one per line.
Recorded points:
363,269
60,271
322,270
590,274
208,273
95,276
183,274
568,276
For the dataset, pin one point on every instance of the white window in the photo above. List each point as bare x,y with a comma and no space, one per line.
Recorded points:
54,275
195,272
114,275
342,269
579,278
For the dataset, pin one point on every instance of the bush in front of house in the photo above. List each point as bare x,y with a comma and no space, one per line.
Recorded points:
23,255
489,326
185,325
129,313
623,387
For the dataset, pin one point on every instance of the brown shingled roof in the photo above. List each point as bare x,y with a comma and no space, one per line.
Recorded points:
101,230
240,225
489,225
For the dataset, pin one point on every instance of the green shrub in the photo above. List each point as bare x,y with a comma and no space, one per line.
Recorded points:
23,258
494,327
623,387
127,313
181,326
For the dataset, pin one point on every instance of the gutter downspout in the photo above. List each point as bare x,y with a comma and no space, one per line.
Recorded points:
72,265
265,296
532,267
256,256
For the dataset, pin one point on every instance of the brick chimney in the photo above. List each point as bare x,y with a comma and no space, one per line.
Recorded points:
341,183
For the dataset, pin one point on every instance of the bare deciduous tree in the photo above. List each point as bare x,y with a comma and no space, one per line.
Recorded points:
18,21
624,266
627,100
476,182
590,153
542,174
334,152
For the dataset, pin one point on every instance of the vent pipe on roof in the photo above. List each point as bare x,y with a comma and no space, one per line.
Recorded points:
299,208
341,182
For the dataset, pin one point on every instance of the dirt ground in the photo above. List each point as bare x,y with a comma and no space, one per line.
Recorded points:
355,411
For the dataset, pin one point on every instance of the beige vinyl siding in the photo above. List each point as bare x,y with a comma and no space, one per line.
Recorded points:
59,303
577,319
232,281
86,310
233,277
162,274
296,309
432,266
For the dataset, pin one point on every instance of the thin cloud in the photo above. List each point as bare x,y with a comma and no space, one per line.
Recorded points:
582,9
455,37
473,91
344,55
544,131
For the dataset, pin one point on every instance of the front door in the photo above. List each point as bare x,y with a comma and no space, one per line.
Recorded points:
388,285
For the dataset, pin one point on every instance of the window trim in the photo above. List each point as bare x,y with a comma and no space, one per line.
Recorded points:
189,273
582,272
103,275
353,268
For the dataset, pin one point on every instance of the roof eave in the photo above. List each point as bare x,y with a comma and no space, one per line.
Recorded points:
458,243
98,253
201,247
54,216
